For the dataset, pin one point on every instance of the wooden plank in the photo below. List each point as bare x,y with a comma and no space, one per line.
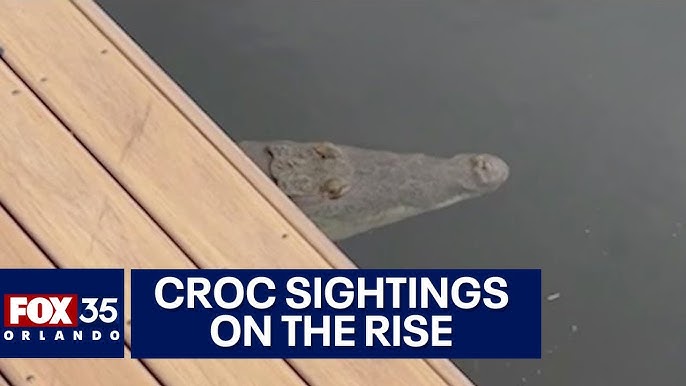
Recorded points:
130,126
232,153
82,218
70,372
18,251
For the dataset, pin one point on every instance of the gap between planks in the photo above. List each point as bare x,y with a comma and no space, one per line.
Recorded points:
3,380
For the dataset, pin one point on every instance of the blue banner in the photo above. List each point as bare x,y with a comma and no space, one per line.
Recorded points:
62,313
336,313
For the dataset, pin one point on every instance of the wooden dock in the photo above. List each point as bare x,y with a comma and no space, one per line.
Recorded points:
105,162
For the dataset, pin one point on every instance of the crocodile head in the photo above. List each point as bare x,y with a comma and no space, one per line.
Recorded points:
348,190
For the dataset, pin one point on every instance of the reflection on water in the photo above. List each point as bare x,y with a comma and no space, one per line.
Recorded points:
585,101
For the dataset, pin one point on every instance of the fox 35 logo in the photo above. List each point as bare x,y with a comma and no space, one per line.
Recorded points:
58,317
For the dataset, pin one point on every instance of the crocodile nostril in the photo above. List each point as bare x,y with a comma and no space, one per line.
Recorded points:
482,163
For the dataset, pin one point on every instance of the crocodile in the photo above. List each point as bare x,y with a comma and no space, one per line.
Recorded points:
348,190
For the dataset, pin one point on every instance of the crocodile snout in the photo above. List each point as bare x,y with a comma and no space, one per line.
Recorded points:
479,173
490,170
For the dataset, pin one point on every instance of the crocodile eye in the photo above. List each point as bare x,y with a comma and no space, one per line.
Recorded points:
334,188
326,150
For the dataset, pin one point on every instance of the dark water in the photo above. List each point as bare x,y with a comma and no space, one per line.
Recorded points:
585,101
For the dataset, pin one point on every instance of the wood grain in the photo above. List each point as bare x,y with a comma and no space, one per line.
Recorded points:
83,218
70,372
223,143
18,251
